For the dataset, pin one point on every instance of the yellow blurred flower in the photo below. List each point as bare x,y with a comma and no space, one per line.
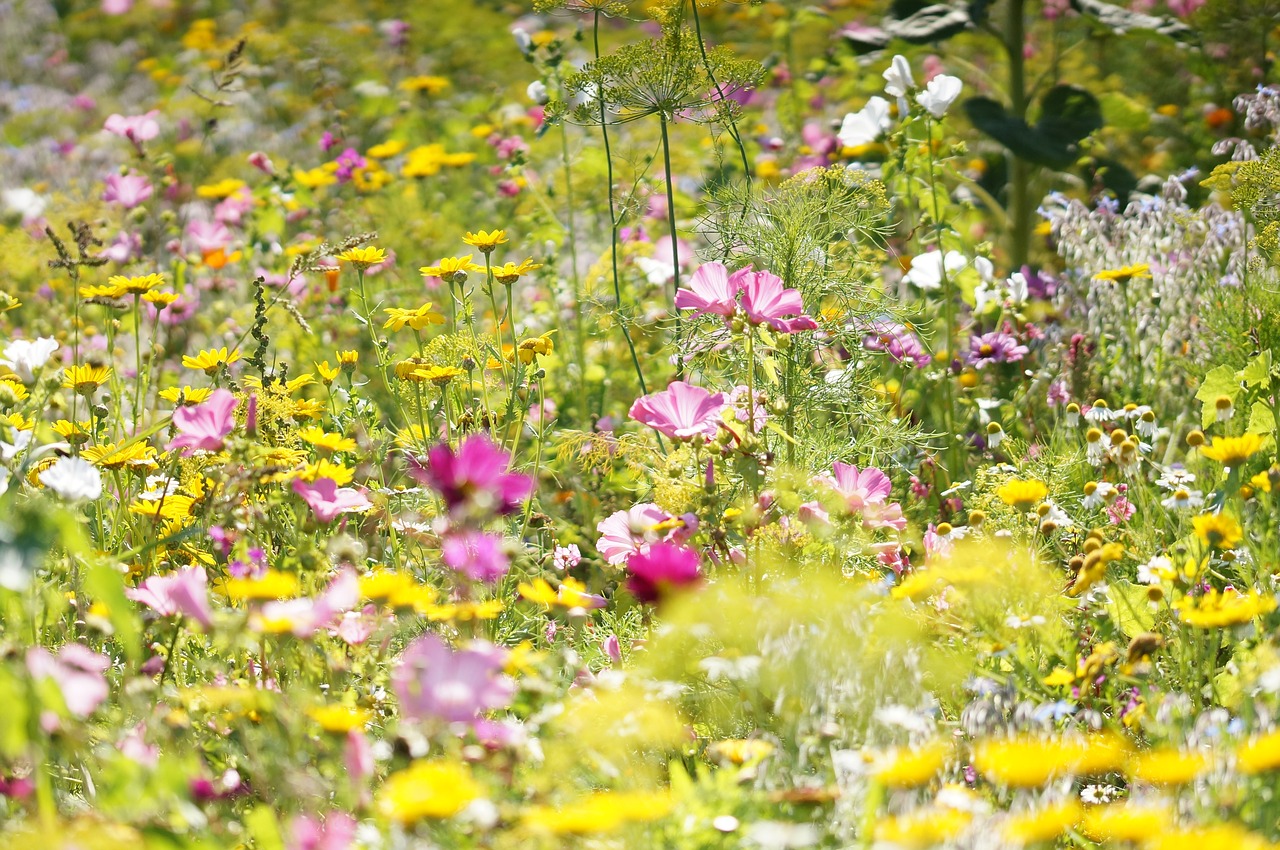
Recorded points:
427,789
271,585
1125,273
222,189
340,718
363,257
1233,451
424,83
1168,766
1020,494
1220,610
485,241
418,318
603,811
326,442
211,360
1220,531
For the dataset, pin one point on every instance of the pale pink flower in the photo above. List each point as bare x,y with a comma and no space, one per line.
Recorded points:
206,425
336,832
432,680
626,532
308,616
766,301
208,236
184,592
681,411
127,190
328,501
77,670
712,290
859,488
135,128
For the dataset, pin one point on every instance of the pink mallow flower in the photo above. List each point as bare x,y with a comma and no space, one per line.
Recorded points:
478,476
712,290
859,487
663,568
205,425
328,501
77,670
127,190
434,681
625,533
767,302
135,128
184,592
681,411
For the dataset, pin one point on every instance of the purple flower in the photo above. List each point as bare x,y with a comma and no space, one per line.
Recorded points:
206,425
681,411
433,681
349,161
327,500
477,476
184,592
478,555
898,342
78,672
660,570
995,347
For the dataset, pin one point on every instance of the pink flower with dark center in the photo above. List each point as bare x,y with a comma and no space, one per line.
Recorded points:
898,342
477,476
859,487
626,532
328,501
767,302
206,425
995,347
127,190
712,290
78,672
681,411
184,592
434,681
135,128
478,555
664,568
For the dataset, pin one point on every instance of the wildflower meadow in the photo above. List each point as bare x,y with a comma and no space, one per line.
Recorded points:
673,424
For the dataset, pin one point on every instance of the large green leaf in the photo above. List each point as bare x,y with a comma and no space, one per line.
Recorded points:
1067,115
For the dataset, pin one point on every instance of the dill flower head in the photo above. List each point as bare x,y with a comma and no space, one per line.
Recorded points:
1232,451
211,360
1219,531
485,241
1022,494
363,257
608,8
417,318
1124,274
85,379
452,268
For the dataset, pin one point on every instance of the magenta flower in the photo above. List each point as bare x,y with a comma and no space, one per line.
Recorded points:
995,347
478,555
434,681
327,500
127,190
206,425
663,568
681,411
624,533
336,832
767,302
859,488
184,592
712,290
478,475
135,128
898,342
77,670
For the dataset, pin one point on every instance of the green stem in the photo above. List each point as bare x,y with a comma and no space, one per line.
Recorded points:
1020,173
675,245
579,335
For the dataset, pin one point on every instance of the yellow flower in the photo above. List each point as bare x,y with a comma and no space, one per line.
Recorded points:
603,811
75,433
923,828
542,344
485,241
1026,762
451,266
85,379
314,178
1059,677
438,375
1232,451
1043,824
347,360
418,318
1227,836
222,189
463,611
1266,480
427,789
911,768
1218,530
386,150
1022,494
211,360
118,455
1128,822
186,395
1168,766
328,374
539,592
1125,273
1260,754
272,585
12,390
424,83
510,272
100,291
340,718
741,750
308,408
424,161
384,584
8,302
137,285
1217,610
363,257
290,387
172,506
325,441
160,300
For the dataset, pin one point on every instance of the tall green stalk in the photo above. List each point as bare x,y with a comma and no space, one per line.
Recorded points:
675,245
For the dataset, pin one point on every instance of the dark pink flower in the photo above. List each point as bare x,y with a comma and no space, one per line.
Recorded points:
766,301
712,290
328,501
127,190
184,592
434,681
206,425
477,476
681,411
660,570
478,555
78,672
995,347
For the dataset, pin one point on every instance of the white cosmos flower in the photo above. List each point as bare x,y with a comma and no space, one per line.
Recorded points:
74,479
926,269
25,202
867,125
897,77
27,356
1018,289
939,94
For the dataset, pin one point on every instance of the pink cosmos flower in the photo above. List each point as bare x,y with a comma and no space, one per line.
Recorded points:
681,411
884,516
663,568
206,425
77,670
434,681
478,555
766,301
135,128
127,190
327,500
859,488
712,290
308,616
209,236
626,532
335,832
184,592
477,476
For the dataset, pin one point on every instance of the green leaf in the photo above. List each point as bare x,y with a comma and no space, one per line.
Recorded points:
106,585
13,720
1262,420
1258,372
1123,112
1221,381
264,828
1130,609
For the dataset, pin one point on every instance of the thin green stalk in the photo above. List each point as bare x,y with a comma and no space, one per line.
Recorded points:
675,245
715,86
948,313
579,335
